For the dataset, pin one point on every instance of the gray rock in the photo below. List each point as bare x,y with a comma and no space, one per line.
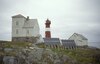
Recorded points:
35,55
9,60
8,49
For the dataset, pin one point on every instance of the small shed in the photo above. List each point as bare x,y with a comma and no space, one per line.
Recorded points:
68,44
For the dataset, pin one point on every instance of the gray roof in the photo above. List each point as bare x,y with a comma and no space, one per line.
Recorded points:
30,23
84,38
79,35
52,41
68,43
18,16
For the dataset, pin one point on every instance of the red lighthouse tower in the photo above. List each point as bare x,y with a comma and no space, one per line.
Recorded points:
47,31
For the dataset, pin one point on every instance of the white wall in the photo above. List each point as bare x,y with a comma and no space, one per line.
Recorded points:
22,32
36,29
78,40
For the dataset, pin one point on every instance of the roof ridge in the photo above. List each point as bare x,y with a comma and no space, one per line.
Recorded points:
18,16
82,36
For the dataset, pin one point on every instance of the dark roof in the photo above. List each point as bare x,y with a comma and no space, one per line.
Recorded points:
52,41
18,16
68,43
84,38
79,35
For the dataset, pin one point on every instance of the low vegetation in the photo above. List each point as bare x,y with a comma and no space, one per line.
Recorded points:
81,55
13,46
16,44
41,45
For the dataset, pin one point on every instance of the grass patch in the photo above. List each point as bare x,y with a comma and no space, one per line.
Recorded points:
16,44
41,45
82,56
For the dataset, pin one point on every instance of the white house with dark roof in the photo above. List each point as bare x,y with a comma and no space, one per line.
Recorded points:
24,29
79,39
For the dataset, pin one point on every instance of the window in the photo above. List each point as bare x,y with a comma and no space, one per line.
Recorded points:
16,31
17,23
27,31
80,40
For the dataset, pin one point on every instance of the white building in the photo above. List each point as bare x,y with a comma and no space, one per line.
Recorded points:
79,39
24,29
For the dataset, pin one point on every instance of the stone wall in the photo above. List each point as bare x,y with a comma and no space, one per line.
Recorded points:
24,39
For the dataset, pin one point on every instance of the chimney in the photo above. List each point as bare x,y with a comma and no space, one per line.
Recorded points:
27,18
47,31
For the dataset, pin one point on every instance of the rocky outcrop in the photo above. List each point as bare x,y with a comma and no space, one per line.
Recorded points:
35,55
29,53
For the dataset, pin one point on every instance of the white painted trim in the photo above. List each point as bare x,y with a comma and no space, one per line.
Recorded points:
47,29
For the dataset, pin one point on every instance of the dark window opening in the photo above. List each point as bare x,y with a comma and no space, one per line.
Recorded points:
17,23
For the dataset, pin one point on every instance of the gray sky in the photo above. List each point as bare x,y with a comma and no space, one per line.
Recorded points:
67,16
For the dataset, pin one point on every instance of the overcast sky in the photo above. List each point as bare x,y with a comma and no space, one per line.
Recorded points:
67,17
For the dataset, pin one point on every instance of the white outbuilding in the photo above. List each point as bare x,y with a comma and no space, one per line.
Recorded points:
79,39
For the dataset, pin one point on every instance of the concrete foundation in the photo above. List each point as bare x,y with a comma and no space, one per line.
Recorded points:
24,39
